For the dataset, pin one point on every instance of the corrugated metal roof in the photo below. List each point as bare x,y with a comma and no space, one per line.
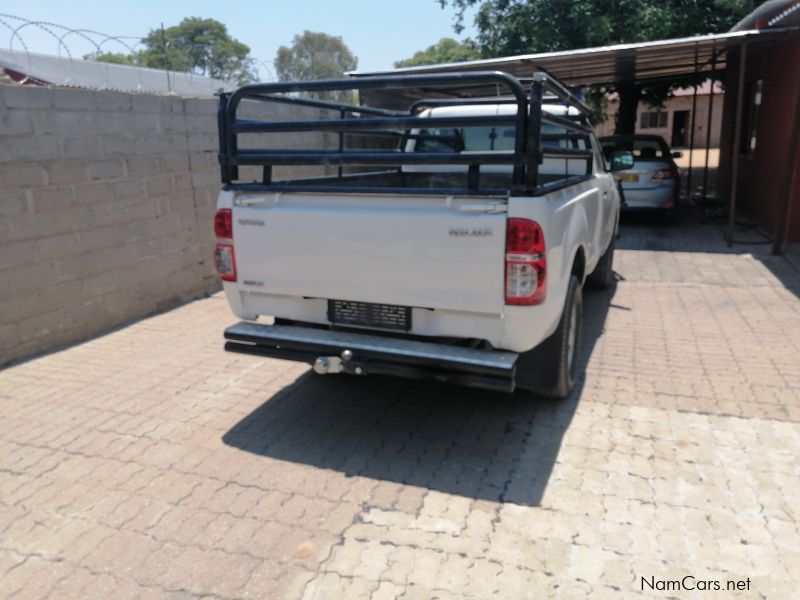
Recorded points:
603,64
772,13
643,62
90,74
790,17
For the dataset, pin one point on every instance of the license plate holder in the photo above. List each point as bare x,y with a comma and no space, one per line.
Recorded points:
629,177
368,314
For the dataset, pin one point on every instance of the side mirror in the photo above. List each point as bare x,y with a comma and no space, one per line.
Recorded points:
622,161
677,154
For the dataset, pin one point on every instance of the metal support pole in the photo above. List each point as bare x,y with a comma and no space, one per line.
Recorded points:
782,225
342,115
708,123
737,135
694,123
166,58
533,142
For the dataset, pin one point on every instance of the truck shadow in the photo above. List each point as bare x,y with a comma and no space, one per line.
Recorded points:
472,443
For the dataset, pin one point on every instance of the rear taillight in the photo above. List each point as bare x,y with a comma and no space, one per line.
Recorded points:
223,224
662,174
526,263
225,261
224,257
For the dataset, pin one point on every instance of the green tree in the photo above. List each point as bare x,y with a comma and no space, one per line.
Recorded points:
201,46
116,58
446,50
316,55
508,27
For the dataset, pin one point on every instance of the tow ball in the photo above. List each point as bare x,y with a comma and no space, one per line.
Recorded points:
325,365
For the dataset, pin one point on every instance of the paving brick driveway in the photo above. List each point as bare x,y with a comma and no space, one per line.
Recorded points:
150,463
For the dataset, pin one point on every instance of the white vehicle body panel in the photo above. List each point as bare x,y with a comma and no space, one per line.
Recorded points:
382,248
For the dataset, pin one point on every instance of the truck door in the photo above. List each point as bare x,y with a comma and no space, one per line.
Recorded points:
609,198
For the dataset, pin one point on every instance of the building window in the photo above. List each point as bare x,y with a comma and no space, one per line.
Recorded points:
753,95
653,120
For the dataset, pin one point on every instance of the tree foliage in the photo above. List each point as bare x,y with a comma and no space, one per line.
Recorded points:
446,50
116,58
516,26
195,45
508,27
316,55
199,45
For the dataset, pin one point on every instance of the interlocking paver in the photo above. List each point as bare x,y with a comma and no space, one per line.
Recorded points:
150,463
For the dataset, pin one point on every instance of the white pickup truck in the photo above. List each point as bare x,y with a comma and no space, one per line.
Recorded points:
458,252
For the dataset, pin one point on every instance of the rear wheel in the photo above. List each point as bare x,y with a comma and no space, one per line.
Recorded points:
603,274
550,368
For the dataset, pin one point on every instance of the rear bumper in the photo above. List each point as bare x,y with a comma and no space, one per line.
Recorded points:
362,354
655,197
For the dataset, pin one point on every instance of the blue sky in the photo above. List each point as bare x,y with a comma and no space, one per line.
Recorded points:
379,32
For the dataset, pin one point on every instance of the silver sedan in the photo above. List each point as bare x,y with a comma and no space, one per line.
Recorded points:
654,180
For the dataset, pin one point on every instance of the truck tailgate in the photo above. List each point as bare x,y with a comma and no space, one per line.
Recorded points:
423,251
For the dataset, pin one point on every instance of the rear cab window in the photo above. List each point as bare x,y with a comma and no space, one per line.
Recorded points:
643,150
481,139
500,139
465,139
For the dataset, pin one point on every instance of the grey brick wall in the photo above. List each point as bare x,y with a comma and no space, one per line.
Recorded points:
106,203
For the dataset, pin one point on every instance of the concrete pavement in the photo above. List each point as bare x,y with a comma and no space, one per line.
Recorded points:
150,463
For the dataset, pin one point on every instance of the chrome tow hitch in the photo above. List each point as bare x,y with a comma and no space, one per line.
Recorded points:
325,365
328,364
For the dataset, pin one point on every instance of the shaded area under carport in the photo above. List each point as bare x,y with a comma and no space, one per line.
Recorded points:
691,59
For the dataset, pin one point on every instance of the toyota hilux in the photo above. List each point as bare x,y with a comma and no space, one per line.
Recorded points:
449,239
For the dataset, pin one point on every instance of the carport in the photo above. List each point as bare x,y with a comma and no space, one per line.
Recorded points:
722,56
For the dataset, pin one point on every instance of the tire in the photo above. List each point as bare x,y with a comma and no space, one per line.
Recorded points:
550,369
603,274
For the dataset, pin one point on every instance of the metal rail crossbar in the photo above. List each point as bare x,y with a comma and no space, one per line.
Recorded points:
530,146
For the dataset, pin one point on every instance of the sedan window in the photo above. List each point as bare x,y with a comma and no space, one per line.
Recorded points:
642,149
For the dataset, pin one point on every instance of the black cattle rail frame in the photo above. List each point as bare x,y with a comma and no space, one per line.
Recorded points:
530,145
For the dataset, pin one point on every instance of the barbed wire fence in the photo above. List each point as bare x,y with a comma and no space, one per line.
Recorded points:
16,27
83,43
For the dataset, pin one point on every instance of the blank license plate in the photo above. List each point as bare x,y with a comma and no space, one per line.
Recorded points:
367,314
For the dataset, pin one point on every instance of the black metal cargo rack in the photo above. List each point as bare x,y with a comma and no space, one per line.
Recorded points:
531,146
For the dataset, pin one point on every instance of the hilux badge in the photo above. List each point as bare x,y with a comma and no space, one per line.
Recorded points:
470,231
256,222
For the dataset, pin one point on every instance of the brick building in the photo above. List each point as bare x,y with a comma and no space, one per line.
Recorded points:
673,121
760,171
